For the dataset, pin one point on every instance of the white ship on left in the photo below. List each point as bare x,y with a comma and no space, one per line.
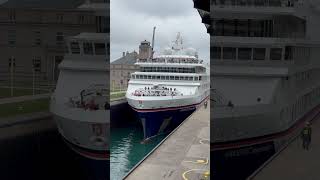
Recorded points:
80,102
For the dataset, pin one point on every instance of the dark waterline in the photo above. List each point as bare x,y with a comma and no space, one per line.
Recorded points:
42,155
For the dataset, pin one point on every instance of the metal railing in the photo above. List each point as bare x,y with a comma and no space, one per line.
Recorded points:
255,3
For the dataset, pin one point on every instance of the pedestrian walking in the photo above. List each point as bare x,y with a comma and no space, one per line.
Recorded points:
306,136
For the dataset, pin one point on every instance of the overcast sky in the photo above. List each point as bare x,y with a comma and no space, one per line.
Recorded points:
132,21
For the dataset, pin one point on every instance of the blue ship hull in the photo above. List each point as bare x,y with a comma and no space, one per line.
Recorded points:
160,121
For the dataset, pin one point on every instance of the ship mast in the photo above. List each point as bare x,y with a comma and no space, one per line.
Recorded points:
152,51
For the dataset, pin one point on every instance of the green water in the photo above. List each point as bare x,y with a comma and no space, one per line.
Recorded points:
126,149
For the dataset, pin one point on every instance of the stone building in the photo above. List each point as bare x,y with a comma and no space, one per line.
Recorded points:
121,69
32,34
145,50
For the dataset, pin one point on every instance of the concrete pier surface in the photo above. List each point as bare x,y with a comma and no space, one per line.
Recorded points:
294,162
184,154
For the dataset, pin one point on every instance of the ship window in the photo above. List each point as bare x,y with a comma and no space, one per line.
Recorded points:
59,38
200,78
100,48
37,64
275,3
176,78
158,77
229,27
196,78
244,53
190,78
153,77
242,28
256,30
167,77
144,76
163,78
275,53
259,53
87,48
171,77
149,77
75,48
288,53
216,52
229,53
174,69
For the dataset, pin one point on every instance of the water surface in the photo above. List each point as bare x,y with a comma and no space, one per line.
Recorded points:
127,149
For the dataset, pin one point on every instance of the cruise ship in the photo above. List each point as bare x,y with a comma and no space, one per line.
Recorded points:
265,77
168,87
80,102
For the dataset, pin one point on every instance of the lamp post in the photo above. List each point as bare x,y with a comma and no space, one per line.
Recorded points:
33,79
11,75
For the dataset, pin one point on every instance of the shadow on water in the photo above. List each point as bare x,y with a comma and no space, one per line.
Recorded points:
41,155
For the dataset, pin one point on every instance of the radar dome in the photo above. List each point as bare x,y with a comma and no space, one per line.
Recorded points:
191,51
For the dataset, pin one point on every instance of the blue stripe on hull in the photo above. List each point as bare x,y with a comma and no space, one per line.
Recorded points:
158,122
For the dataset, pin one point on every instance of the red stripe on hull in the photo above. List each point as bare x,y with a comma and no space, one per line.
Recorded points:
91,155
248,142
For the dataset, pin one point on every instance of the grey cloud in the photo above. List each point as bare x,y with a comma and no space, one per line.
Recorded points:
129,28
155,8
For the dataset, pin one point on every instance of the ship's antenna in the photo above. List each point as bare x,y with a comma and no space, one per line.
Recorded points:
154,31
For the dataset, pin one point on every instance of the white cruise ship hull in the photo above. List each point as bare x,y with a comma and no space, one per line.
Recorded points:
242,136
79,134
162,114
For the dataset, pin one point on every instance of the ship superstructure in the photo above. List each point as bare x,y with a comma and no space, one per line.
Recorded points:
265,75
168,88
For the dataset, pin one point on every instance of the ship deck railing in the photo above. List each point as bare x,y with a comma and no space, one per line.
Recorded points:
171,61
255,3
153,92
